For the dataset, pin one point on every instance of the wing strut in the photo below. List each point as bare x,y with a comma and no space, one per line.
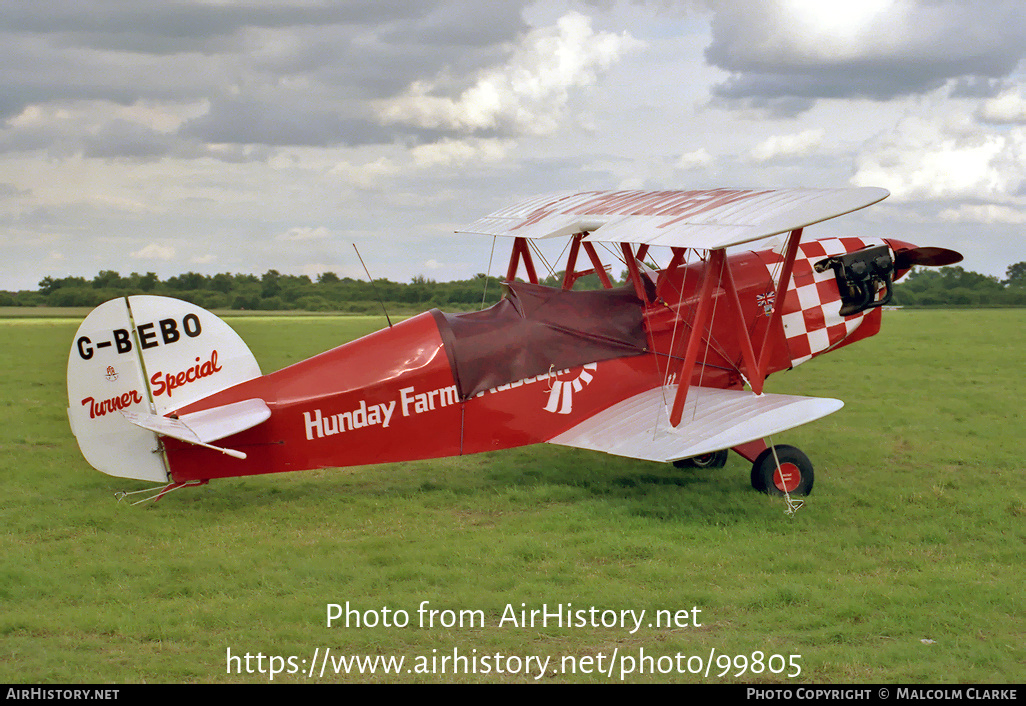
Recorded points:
631,259
596,262
521,252
710,278
778,302
571,274
717,274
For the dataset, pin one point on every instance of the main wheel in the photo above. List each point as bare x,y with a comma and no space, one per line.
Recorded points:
795,474
715,459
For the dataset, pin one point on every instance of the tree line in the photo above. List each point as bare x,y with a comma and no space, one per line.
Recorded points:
927,287
272,291
955,286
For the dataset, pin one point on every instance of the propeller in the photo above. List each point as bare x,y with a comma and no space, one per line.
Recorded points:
931,257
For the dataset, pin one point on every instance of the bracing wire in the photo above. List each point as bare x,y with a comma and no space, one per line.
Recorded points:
157,492
673,333
709,336
488,272
541,256
793,506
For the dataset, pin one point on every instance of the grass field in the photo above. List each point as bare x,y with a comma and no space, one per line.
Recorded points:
906,565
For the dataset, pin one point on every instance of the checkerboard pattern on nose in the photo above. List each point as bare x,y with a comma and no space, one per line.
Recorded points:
811,315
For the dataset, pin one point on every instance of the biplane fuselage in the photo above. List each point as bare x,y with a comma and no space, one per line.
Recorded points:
394,395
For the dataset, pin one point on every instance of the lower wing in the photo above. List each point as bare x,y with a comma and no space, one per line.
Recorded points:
713,419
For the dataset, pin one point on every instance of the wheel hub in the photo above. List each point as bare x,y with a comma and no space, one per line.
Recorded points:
787,477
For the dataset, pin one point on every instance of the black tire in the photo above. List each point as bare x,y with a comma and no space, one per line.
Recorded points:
715,459
795,465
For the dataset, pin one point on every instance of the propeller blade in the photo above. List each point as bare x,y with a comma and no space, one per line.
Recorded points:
931,257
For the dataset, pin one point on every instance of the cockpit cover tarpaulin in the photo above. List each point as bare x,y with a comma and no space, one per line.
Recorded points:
535,329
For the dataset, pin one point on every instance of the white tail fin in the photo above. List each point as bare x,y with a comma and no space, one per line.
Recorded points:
147,355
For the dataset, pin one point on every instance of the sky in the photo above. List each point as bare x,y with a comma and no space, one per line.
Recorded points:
214,136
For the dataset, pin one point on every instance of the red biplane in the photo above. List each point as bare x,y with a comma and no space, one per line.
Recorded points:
668,368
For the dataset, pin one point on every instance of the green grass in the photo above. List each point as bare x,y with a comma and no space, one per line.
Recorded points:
916,530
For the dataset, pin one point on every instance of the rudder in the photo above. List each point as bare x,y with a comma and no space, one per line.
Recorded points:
145,354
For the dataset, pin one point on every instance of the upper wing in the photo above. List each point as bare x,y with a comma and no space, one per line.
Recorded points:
706,219
713,419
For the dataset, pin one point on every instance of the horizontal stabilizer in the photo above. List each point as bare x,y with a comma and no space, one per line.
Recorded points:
706,219
208,425
713,419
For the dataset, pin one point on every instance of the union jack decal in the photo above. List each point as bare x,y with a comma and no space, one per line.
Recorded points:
766,302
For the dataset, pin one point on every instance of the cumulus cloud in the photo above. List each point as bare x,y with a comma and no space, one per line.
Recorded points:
984,213
804,50
780,147
922,159
1009,107
526,95
277,120
695,160
450,152
287,73
366,176
154,251
300,233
